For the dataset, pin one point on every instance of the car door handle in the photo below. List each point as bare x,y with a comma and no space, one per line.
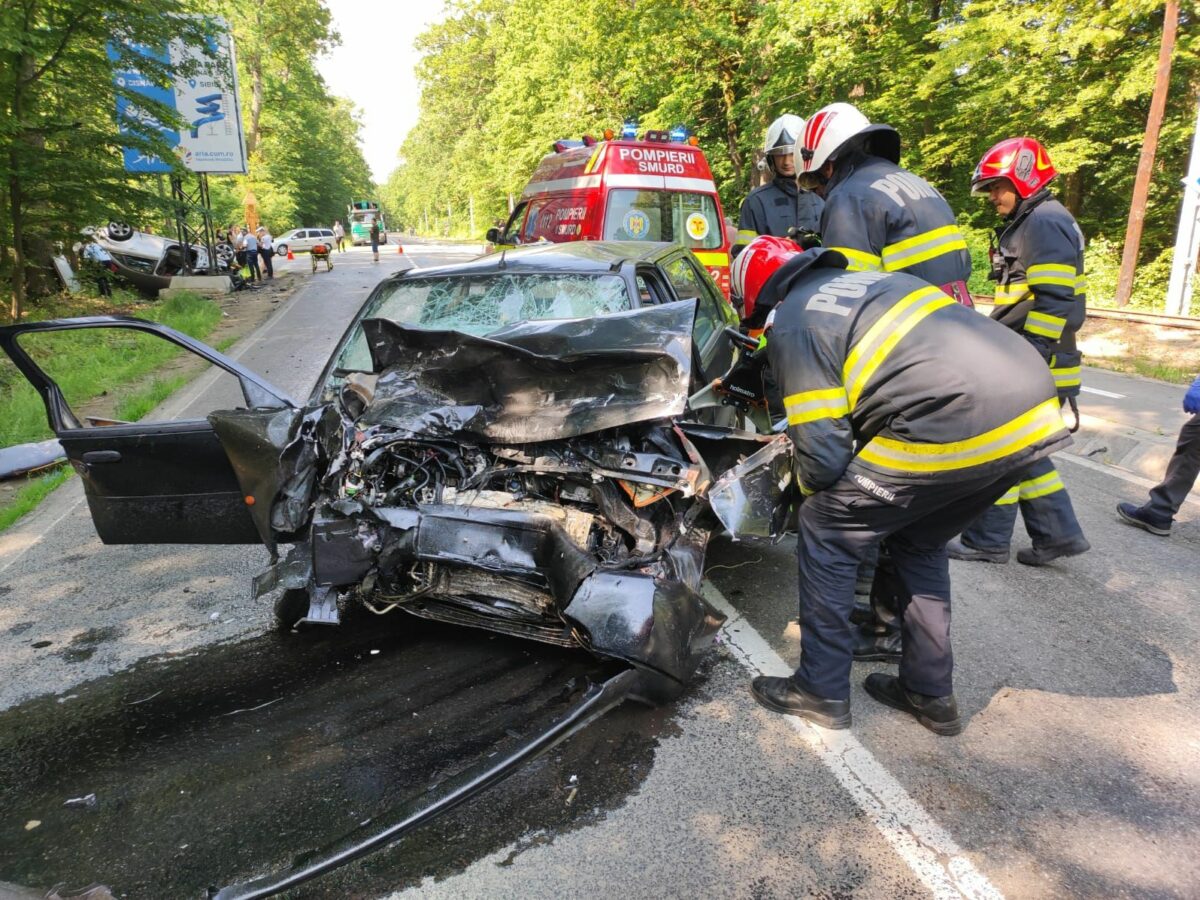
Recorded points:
101,456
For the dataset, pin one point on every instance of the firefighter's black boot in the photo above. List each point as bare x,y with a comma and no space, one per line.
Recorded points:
781,695
960,549
1039,556
870,647
938,714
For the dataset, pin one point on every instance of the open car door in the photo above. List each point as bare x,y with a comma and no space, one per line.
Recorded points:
160,482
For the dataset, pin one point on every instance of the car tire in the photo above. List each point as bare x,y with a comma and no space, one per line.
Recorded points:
119,231
290,608
281,249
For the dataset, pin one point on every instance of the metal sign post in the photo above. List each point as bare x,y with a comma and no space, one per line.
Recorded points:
193,220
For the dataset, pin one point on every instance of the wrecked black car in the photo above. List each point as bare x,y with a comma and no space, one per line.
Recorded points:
525,443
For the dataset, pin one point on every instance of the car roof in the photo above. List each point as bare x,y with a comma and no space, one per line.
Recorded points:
595,257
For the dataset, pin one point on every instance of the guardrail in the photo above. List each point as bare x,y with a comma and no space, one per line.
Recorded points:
1190,323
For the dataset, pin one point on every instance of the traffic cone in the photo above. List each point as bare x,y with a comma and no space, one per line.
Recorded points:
399,249
291,255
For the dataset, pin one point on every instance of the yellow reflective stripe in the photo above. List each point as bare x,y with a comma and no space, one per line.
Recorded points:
881,338
1027,429
745,236
1010,496
808,406
1008,294
858,261
1041,486
711,258
591,163
1080,283
1044,324
922,248
1052,273
1068,376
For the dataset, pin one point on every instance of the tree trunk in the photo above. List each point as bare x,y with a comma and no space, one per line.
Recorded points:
16,194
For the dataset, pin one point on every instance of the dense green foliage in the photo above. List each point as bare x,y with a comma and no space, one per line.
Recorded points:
60,160
502,79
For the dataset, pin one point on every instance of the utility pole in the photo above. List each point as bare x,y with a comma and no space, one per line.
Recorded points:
1141,184
1187,238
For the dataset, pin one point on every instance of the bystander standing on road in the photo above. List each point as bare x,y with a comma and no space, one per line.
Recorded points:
266,250
1157,515
237,237
250,251
339,234
375,238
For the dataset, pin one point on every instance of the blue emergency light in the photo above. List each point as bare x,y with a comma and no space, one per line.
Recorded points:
629,130
679,134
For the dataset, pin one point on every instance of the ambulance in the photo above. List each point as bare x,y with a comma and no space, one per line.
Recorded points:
658,188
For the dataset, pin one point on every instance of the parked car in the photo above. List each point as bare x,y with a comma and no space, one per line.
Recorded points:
149,261
300,239
512,443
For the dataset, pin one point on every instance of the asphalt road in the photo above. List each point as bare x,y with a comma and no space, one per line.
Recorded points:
1078,774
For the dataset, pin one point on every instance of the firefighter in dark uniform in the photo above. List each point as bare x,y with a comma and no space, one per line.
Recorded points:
900,434
1040,294
778,207
882,217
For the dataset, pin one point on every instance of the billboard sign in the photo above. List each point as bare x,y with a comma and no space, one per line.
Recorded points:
204,94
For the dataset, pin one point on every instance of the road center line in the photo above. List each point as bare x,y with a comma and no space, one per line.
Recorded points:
926,848
1092,390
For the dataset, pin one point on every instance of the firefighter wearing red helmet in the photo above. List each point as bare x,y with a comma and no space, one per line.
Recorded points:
1040,294
882,217
900,433
778,208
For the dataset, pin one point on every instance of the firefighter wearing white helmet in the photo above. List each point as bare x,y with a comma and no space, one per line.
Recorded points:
779,207
879,215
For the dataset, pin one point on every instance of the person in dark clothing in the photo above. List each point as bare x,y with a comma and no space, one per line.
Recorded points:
1040,294
900,435
375,239
779,208
1157,515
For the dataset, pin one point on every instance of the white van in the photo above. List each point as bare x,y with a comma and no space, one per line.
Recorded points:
299,239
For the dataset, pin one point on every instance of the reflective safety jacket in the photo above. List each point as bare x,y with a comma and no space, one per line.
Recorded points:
884,377
885,218
1041,290
775,207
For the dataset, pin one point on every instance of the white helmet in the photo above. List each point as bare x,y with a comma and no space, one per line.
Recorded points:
828,131
783,135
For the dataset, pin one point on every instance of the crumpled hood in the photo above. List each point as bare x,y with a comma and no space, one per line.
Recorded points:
535,381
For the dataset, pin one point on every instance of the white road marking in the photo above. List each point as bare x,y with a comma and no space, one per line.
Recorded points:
1117,473
1092,390
926,847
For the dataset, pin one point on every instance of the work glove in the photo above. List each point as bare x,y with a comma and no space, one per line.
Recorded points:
1191,400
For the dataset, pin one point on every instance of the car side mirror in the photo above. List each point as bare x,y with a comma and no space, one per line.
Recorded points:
493,235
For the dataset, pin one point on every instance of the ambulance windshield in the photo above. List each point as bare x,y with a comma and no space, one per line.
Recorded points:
667,216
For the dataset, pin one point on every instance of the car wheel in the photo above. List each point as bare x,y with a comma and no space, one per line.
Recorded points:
290,608
119,231
281,249
226,254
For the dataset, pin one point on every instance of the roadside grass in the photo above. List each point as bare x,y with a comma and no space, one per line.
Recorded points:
32,494
91,363
1148,368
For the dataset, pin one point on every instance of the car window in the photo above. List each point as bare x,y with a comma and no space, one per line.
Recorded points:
481,304
532,229
687,280
326,232
674,217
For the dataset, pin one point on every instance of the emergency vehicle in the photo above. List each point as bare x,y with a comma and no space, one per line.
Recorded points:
659,188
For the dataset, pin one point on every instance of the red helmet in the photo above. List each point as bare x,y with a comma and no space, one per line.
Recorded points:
755,264
1023,161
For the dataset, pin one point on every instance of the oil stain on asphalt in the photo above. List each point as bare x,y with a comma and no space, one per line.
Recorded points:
210,767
